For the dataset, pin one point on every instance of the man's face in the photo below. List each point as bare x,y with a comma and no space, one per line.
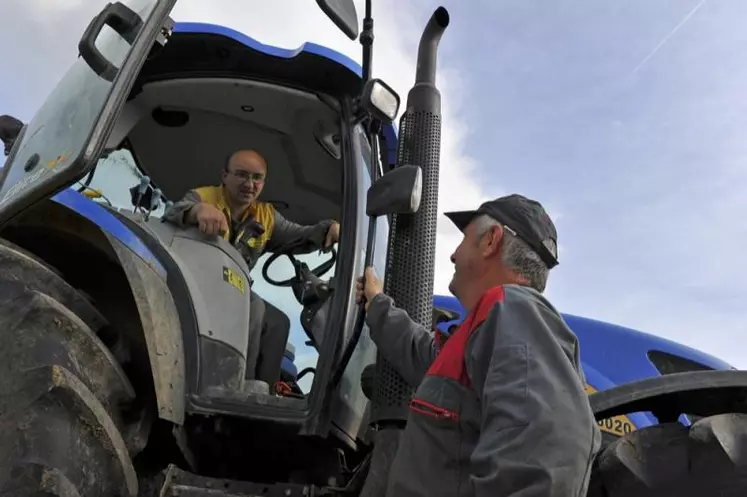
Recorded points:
245,177
473,257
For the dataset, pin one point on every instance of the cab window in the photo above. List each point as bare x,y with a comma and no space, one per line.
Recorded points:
282,298
58,134
365,351
110,182
118,172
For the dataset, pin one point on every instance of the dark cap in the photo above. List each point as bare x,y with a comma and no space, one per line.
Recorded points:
524,216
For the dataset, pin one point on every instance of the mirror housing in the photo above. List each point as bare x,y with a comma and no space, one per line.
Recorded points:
10,129
397,192
343,14
380,100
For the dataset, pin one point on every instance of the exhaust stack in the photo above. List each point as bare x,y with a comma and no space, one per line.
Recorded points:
428,47
412,248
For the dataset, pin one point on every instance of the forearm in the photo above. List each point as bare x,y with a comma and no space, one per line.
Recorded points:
182,213
303,239
407,345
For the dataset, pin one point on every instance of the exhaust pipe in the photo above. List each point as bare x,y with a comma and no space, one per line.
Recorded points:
412,248
428,47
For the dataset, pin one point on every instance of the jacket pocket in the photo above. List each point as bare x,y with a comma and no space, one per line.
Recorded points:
427,409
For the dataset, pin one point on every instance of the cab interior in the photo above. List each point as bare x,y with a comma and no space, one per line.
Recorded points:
180,132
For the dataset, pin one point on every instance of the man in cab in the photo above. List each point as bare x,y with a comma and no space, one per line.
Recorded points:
233,211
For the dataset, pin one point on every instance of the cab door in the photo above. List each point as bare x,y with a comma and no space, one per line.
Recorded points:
65,137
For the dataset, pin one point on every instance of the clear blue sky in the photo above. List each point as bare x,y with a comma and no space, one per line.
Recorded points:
625,118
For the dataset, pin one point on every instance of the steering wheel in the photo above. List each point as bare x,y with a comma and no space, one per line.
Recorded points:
301,269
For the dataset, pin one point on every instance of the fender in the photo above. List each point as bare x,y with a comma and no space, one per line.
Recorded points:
160,318
616,425
160,323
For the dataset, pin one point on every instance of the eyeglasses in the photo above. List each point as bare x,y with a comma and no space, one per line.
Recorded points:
245,176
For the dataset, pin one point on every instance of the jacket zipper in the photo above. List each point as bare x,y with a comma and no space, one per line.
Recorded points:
428,409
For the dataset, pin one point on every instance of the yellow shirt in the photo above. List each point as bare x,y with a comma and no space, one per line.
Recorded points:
263,212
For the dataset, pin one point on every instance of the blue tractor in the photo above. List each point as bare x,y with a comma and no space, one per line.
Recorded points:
124,338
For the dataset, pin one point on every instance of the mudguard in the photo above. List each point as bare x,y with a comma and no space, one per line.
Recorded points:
162,331
91,224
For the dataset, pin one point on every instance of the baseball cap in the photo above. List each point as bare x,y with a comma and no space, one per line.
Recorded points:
524,216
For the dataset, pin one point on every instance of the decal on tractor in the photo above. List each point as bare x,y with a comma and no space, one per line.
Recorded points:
617,425
234,279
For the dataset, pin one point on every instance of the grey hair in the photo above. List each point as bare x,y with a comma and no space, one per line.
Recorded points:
517,255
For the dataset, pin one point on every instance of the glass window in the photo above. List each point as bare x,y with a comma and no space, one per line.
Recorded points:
117,173
306,356
365,351
113,178
283,298
58,133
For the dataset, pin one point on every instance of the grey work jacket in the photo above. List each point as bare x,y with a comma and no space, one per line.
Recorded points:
500,411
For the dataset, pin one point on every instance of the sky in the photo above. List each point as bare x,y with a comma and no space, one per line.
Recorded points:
625,118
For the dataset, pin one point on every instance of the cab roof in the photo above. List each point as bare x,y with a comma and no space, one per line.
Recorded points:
212,50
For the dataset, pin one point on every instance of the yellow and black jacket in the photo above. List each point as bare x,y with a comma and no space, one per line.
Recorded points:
276,231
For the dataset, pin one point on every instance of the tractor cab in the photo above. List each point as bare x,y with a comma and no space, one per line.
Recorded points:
206,94
152,110
190,108
147,329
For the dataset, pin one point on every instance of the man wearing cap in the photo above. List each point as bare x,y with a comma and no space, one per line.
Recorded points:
501,409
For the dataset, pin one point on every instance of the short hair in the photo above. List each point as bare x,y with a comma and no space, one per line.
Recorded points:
517,255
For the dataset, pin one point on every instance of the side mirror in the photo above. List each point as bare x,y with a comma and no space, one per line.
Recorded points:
397,192
380,99
10,129
343,14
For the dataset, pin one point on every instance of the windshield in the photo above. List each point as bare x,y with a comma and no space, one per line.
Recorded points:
110,182
351,394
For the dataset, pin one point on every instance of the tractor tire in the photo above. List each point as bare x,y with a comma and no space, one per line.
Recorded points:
69,423
707,459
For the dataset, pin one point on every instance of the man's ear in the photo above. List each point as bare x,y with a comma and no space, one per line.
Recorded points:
492,241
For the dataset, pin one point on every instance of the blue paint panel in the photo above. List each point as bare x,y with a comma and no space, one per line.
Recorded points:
105,220
390,131
289,367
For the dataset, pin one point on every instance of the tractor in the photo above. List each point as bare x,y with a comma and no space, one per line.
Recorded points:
124,337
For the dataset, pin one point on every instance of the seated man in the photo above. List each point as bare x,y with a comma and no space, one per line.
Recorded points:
233,209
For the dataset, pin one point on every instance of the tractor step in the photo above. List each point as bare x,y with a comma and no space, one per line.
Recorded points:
179,483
